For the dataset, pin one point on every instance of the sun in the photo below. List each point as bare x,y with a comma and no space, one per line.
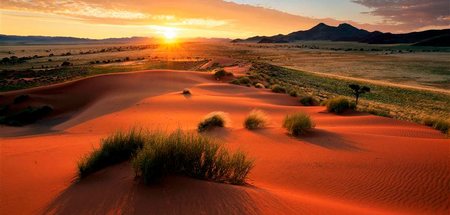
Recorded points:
169,34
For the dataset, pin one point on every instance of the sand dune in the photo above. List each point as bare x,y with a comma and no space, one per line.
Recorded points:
350,164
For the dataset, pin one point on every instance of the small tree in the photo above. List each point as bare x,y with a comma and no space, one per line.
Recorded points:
358,90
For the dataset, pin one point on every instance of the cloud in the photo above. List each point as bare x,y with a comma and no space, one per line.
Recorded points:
410,14
221,18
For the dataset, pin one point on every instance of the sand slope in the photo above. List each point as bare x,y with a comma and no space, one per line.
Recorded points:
352,164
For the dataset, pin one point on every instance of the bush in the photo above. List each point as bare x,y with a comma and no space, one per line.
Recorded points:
20,99
338,105
308,101
278,89
186,91
293,93
190,154
221,74
26,116
298,123
213,119
256,119
438,124
259,85
242,81
118,147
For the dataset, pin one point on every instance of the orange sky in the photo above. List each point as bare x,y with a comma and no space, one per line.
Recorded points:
188,18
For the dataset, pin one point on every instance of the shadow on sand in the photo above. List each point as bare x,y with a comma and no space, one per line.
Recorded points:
116,191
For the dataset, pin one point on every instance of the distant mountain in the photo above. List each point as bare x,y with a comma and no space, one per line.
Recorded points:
25,40
347,32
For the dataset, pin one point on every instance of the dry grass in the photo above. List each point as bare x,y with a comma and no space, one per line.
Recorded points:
213,119
298,123
256,119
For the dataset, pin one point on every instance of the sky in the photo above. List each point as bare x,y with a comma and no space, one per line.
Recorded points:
213,18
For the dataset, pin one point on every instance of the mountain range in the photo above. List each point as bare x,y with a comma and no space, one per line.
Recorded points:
347,32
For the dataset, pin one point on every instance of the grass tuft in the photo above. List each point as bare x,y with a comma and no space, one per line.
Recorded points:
259,85
190,154
213,119
298,123
256,119
438,124
278,89
338,105
186,91
118,147
309,101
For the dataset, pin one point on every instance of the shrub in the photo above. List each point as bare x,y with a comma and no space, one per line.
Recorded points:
438,124
20,99
259,85
190,154
242,81
308,101
26,116
298,123
213,119
221,74
338,105
118,147
278,89
293,93
66,63
256,119
186,91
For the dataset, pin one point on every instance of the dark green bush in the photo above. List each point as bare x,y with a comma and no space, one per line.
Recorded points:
338,105
298,123
278,89
213,119
221,74
26,116
309,101
20,99
293,93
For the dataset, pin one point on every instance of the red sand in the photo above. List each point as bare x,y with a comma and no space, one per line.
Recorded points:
352,164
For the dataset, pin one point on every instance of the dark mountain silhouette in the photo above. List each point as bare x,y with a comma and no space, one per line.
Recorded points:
347,32
13,39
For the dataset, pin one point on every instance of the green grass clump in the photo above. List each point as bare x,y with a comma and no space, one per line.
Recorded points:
256,119
213,119
308,101
118,147
442,125
298,123
278,89
338,105
244,80
190,154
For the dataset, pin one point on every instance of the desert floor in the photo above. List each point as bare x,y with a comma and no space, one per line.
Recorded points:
354,163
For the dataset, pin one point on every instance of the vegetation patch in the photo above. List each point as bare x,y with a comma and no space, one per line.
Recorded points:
186,91
117,147
308,101
155,154
442,125
298,123
256,119
212,120
21,98
24,117
278,89
338,105
222,74
190,154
